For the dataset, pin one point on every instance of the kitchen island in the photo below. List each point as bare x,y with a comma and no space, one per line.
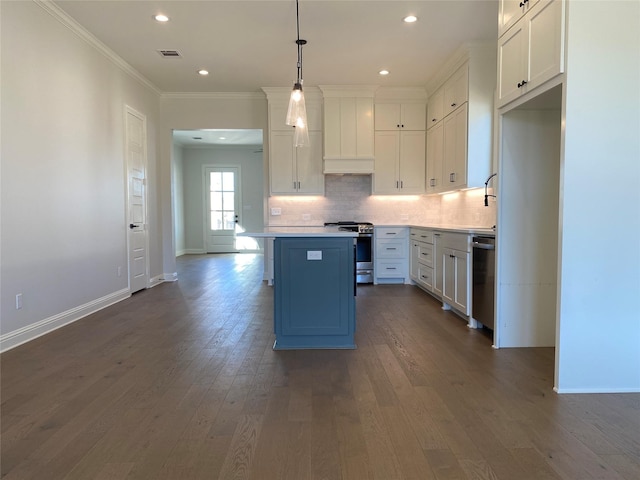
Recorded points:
314,287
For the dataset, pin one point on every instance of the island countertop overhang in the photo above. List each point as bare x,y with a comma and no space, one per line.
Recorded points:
291,232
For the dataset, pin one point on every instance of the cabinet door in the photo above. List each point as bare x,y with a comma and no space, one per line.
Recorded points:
455,149
448,276
436,108
438,266
278,114
413,261
456,90
435,158
309,166
332,127
385,177
282,154
461,298
512,63
412,162
364,127
546,49
510,11
413,116
387,116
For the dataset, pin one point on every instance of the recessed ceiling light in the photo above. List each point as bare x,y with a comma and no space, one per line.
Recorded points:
161,18
222,138
384,72
410,19
203,72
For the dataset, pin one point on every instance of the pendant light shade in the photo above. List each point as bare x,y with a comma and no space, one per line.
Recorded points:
297,111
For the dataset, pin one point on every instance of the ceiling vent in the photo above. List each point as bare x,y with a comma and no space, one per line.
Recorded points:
169,53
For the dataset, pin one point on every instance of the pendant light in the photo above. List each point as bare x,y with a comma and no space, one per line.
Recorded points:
297,112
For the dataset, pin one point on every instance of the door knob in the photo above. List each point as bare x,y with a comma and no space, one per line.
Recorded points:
133,225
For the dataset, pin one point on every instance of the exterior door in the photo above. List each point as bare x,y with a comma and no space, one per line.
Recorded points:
136,158
222,208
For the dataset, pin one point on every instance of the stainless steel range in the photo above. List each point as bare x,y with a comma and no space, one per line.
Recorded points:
364,247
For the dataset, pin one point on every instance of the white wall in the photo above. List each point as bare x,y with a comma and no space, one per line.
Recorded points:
252,199
178,200
63,174
599,325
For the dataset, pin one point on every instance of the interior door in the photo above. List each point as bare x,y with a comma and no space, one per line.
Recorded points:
136,158
222,202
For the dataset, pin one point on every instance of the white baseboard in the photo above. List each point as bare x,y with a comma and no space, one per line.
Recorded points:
194,251
597,390
179,253
35,330
170,277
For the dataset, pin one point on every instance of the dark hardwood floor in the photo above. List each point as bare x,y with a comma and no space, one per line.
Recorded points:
180,382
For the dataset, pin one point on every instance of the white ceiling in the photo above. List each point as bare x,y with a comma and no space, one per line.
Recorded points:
201,138
246,45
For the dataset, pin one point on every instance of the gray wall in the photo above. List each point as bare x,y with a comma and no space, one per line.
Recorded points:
251,174
63,173
178,199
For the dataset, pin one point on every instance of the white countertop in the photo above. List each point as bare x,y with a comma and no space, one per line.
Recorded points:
471,230
281,232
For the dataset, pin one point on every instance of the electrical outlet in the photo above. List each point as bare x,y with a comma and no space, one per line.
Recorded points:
404,216
18,301
276,211
306,216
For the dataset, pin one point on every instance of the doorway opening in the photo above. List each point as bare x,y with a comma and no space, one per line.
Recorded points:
205,219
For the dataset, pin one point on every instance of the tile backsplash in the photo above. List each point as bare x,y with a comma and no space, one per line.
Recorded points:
348,197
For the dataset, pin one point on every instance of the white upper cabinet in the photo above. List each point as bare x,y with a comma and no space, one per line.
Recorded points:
435,108
348,129
531,52
510,11
459,146
400,116
456,90
294,170
400,141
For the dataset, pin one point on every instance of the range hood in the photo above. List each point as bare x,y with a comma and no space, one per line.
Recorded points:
348,165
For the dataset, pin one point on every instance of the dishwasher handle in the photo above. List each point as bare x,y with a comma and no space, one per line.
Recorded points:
483,246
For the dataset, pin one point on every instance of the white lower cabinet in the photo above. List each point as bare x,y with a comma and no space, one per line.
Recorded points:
391,255
456,274
422,258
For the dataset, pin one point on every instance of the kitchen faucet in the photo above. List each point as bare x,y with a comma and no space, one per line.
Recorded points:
486,195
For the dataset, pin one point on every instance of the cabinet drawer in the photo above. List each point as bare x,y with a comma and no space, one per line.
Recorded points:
420,235
390,268
390,248
425,277
390,232
425,254
456,241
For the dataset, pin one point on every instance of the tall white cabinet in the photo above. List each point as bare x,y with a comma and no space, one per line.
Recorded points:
294,170
459,121
400,144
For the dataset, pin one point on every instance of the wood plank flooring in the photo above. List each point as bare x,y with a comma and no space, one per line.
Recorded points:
180,382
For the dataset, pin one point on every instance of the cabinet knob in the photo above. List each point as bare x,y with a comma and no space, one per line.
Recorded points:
398,125
433,119
522,83
453,104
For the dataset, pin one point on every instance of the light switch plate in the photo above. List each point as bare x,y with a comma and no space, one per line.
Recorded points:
276,211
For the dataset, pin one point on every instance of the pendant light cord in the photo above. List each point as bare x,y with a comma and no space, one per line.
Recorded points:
299,43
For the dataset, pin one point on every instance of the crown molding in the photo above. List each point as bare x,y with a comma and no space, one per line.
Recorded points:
312,94
464,53
61,16
215,95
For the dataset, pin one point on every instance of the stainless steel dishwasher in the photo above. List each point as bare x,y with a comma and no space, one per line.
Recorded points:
484,278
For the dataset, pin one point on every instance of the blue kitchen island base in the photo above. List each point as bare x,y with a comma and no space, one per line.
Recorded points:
314,288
